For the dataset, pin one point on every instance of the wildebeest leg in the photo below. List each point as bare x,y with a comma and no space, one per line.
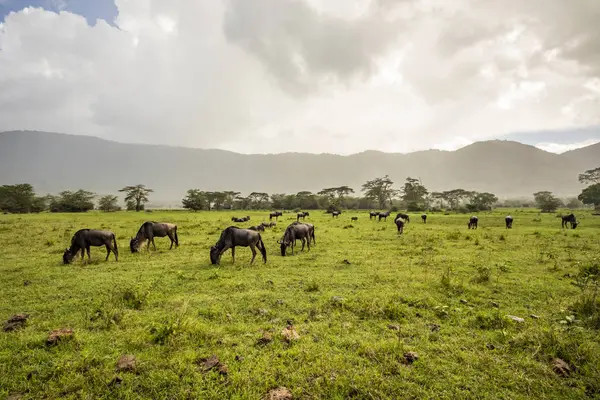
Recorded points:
153,244
170,235
233,255
253,253
302,240
107,251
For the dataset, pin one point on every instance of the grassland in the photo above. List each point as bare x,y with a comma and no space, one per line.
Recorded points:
439,290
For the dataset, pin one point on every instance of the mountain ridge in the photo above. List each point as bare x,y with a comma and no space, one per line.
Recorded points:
52,162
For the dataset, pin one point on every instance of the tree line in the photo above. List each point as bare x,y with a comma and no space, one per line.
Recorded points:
378,193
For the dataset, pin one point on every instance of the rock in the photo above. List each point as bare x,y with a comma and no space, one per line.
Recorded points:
15,322
280,302
265,339
229,317
337,300
239,358
494,304
59,335
280,393
561,367
263,311
212,362
15,396
347,262
26,283
126,363
463,301
434,327
534,316
490,346
394,327
516,319
410,357
289,334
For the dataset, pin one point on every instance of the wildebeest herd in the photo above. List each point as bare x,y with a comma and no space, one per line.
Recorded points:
232,236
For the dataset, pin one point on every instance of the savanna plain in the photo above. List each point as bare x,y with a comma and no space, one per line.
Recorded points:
437,312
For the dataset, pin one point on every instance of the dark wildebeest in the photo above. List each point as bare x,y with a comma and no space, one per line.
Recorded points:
424,218
302,215
268,224
293,232
335,214
384,215
473,222
275,214
149,230
508,220
373,214
569,219
84,238
400,224
242,219
405,217
233,236
311,229
260,228
354,219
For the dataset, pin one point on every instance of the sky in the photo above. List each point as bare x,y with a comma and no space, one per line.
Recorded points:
335,76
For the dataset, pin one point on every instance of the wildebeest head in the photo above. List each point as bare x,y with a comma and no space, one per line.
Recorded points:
285,242
214,255
574,225
134,245
67,256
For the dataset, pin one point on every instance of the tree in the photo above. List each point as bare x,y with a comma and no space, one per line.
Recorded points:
328,195
414,193
230,198
546,201
591,195
20,199
108,203
259,200
591,176
194,200
455,196
137,194
306,200
380,190
68,201
483,201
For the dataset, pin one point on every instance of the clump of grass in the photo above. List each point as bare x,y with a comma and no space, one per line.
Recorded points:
489,321
169,327
445,278
483,275
502,237
476,242
312,287
454,235
587,307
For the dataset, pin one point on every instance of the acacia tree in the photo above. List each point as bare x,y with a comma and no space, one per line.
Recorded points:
194,200
455,196
380,190
20,199
546,201
108,203
259,199
591,176
483,201
591,195
414,193
136,195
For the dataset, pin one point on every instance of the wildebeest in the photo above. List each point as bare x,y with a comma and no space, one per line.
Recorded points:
275,214
293,232
508,220
233,236
242,219
405,217
84,238
424,218
473,222
268,224
399,224
151,229
302,215
569,219
260,228
384,215
335,214
373,214
354,219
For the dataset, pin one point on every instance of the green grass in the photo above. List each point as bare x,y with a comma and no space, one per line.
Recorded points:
356,320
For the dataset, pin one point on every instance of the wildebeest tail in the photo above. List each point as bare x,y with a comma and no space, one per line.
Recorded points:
176,237
262,249
114,239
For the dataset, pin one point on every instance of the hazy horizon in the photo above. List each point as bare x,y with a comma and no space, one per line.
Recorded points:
271,76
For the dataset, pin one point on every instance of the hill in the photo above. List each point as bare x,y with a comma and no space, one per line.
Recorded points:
53,162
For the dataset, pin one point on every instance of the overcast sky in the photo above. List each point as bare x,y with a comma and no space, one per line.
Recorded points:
338,76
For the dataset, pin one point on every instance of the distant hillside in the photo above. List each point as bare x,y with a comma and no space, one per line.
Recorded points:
53,162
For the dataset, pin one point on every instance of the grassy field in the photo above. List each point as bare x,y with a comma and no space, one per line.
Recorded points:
360,301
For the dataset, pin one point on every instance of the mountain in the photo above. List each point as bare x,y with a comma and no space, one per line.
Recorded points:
53,162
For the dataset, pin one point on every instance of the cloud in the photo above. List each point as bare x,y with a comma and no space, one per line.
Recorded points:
562,147
271,76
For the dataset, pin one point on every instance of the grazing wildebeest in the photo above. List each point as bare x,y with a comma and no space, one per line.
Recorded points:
260,228
424,218
384,215
302,215
149,230
405,217
293,232
400,224
268,224
275,214
373,214
473,222
569,219
508,220
233,236
335,214
354,219
84,238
